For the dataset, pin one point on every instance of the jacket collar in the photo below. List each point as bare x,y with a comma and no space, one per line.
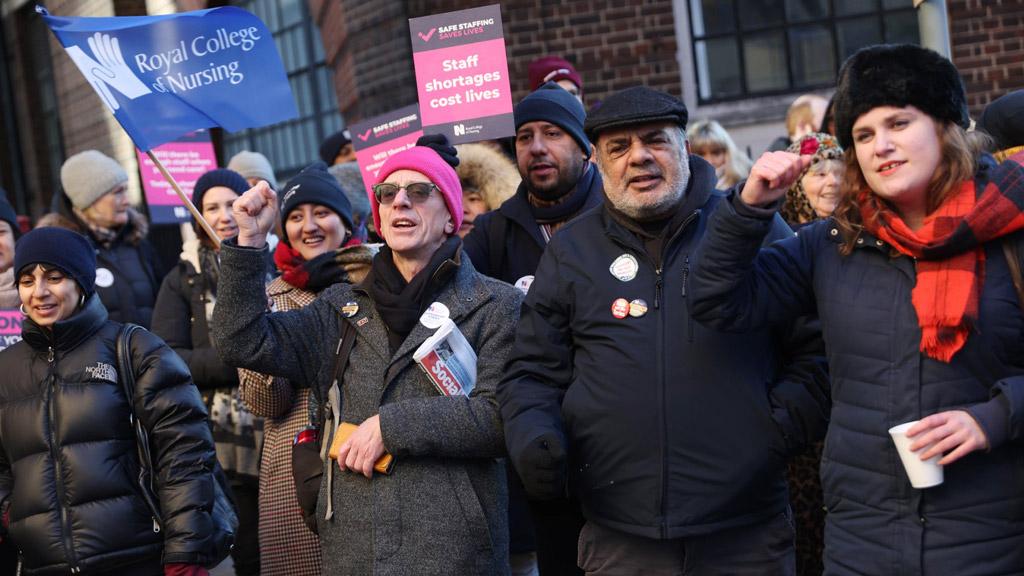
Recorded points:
699,190
517,208
463,294
67,334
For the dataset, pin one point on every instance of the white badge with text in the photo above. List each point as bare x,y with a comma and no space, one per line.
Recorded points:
104,278
524,283
625,267
434,316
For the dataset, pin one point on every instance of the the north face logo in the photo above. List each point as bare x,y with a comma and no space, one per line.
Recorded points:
102,371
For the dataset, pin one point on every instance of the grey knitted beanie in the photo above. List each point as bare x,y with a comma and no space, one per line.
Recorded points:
89,175
253,165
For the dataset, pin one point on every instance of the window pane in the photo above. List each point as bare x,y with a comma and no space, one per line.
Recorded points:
765,59
851,7
856,34
761,13
718,68
712,16
803,10
901,27
811,48
291,12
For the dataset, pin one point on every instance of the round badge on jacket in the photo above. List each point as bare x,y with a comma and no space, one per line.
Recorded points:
104,278
624,267
350,309
434,315
620,308
524,283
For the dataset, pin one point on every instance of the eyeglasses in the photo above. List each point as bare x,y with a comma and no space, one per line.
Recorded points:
418,192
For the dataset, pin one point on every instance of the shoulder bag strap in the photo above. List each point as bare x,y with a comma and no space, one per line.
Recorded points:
126,373
1013,260
332,409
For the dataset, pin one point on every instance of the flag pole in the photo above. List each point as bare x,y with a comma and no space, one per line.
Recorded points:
188,203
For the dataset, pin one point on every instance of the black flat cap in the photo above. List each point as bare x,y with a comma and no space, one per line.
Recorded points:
636,105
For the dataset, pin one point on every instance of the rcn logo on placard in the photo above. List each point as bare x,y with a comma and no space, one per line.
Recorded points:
108,70
460,129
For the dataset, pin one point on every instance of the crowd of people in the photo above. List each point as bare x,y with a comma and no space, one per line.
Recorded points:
683,361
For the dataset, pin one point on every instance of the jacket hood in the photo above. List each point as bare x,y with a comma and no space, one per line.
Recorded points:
488,171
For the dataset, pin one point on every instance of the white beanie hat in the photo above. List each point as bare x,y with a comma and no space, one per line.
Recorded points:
88,175
253,165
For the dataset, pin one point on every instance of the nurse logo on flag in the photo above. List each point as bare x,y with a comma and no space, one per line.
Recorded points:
108,70
167,75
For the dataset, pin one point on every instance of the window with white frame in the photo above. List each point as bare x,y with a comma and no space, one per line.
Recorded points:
748,48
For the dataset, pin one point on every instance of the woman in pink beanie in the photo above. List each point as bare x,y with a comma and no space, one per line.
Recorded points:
442,508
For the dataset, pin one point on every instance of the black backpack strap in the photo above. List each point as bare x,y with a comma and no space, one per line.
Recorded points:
126,373
1012,252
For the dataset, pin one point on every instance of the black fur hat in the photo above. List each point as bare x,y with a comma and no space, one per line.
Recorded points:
897,75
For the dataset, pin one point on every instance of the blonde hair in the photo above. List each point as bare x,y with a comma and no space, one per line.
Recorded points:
708,134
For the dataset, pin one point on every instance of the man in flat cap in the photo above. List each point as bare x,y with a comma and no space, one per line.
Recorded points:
673,437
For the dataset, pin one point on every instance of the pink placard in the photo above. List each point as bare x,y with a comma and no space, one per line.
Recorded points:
10,327
462,74
379,138
186,159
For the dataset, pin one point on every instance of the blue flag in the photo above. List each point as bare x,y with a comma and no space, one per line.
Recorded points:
165,76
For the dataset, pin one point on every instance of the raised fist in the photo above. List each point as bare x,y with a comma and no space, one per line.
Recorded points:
255,213
771,176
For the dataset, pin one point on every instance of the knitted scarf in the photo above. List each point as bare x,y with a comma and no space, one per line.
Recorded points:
949,252
400,303
314,275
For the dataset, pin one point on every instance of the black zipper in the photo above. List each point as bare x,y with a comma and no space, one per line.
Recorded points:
65,519
660,345
686,277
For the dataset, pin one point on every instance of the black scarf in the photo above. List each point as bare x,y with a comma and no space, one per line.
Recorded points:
569,205
401,304
209,267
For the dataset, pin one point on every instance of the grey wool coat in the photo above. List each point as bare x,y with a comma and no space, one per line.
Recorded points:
443,508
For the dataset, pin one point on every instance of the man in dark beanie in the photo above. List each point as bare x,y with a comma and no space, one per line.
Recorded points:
337,148
558,183
673,436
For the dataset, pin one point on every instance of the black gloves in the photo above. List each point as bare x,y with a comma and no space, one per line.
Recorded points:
439,143
542,467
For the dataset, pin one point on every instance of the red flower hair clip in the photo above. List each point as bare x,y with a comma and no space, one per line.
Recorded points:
809,146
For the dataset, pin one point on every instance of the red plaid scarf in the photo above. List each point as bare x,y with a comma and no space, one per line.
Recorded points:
949,252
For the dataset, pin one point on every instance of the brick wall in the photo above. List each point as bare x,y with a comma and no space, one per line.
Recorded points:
612,45
987,37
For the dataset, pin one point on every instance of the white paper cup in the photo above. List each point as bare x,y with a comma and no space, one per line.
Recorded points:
922,473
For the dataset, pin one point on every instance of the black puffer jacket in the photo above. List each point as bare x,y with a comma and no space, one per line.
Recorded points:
68,454
673,430
876,523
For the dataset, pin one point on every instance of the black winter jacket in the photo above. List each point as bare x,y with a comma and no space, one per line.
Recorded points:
876,523
670,426
128,273
68,463
507,243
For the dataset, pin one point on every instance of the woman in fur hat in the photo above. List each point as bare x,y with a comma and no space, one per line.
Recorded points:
488,178
919,311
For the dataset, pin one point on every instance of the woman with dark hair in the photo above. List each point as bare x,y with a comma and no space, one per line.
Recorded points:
442,508
182,318
69,471
919,312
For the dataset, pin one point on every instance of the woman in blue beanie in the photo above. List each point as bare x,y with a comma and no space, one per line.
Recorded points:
69,491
